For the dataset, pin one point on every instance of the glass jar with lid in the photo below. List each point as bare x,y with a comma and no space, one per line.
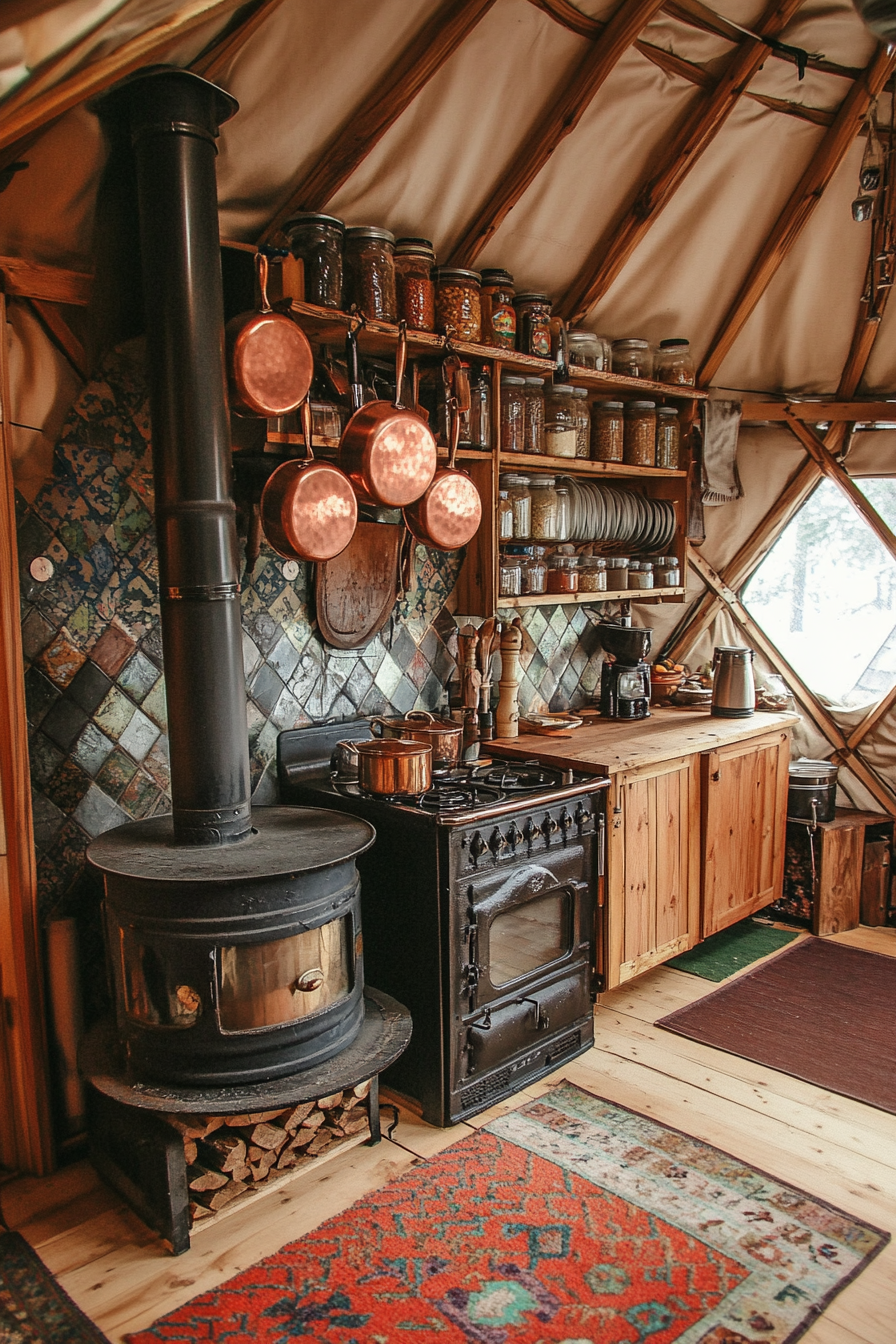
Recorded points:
588,351
563,573
673,363
415,292
640,574
583,423
505,516
544,508
666,571
668,437
560,421
476,424
498,312
317,241
369,272
535,415
607,431
519,494
458,303
510,576
564,511
639,440
592,574
617,573
535,577
513,414
632,358
533,324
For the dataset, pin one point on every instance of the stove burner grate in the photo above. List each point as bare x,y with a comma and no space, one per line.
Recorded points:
523,778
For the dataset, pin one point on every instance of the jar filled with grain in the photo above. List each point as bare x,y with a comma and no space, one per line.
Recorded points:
533,324
560,432
510,576
666,571
592,574
369,272
415,291
668,437
519,494
498,312
458,303
639,443
544,508
317,241
563,573
632,358
583,422
640,574
673,363
617,573
607,431
587,351
505,516
513,414
535,415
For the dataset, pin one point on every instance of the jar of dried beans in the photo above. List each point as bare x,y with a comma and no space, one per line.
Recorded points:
414,288
498,312
583,422
519,494
639,447
668,436
592,574
513,414
458,303
535,415
316,240
369,272
673,363
607,431
632,358
533,324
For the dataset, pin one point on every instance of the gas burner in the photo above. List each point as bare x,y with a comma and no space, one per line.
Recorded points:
523,778
448,799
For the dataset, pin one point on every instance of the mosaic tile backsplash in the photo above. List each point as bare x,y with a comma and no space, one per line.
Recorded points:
94,678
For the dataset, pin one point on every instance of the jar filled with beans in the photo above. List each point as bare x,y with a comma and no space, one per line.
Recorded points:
583,422
317,240
607,431
520,497
560,433
535,415
458,303
617,573
544,508
592,574
632,358
369,272
414,289
533,324
673,363
498,312
639,446
513,414
668,437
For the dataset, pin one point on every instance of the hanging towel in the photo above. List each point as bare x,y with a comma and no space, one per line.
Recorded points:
721,421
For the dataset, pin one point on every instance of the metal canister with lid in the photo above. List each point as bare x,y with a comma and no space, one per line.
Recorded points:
812,790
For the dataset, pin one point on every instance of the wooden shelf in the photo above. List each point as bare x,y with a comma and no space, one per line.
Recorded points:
624,594
578,466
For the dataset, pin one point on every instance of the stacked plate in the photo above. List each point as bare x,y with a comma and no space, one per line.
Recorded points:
621,517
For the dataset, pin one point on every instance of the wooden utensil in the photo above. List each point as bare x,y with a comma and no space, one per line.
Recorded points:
355,592
507,718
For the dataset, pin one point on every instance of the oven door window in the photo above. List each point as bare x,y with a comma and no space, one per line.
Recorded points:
268,984
529,936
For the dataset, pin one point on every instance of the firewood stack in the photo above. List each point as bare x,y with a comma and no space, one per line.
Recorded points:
232,1155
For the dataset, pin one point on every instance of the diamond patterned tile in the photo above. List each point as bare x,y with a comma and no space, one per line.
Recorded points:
157,764
36,634
112,650
115,713
67,786
284,658
97,813
48,821
388,676
252,657
89,687
287,711
156,706
140,796
40,694
45,758
404,697
61,660
266,688
91,749
138,676
64,722
139,736
151,645
116,773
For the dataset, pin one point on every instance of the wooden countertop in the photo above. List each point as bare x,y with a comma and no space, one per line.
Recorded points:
609,746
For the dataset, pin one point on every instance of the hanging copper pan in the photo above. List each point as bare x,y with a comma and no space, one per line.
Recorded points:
449,513
308,509
269,358
388,452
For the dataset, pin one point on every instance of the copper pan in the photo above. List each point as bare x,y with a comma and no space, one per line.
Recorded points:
308,509
388,452
269,358
389,766
421,726
449,513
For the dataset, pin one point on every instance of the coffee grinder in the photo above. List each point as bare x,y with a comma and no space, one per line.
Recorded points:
625,675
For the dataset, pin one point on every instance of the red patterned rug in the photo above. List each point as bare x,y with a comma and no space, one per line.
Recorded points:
571,1220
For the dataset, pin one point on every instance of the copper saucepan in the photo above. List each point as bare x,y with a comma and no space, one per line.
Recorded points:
390,766
308,509
388,452
421,726
448,515
269,358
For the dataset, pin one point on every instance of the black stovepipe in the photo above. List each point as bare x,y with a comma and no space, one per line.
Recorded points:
172,117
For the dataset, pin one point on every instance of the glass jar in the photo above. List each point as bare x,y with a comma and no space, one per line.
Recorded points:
510,576
519,494
316,241
369,272
639,444
668,437
592,574
640,574
498,312
607,431
513,414
458,303
505,516
563,573
632,358
476,424
535,415
544,508
533,324
326,420
564,511
415,292
588,351
617,573
535,578
666,571
583,422
673,363
560,421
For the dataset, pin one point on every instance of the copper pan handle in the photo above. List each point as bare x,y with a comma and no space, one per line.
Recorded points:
261,275
308,428
454,417
401,362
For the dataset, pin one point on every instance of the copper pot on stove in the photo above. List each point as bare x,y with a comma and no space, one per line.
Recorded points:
419,725
389,766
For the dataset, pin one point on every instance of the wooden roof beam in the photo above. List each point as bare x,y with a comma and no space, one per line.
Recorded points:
699,128
818,412
799,208
557,122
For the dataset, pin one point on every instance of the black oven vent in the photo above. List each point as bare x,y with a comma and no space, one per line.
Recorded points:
564,1046
480,1094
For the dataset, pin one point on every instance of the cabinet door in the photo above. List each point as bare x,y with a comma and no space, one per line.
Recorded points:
744,806
653,867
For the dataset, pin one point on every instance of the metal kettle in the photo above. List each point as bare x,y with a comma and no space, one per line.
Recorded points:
733,687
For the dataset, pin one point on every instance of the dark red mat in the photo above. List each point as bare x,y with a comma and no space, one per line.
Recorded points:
821,1011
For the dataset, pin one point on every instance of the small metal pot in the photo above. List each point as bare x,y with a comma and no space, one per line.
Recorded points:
391,766
421,726
812,791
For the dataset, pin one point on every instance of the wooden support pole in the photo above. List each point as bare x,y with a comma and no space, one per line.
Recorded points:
879,711
819,412
681,153
428,51
799,208
556,122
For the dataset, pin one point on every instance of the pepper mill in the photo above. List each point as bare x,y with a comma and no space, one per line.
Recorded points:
507,716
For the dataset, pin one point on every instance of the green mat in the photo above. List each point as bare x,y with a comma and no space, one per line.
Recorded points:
731,950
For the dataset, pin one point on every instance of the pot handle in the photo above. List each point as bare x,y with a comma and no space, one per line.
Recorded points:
354,369
401,363
308,428
422,714
378,726
261,276
454,418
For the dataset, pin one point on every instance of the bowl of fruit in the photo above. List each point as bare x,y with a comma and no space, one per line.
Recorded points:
665,678
695,689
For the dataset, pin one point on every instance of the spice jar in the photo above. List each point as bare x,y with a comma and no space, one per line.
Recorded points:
513,414
535,576
505,516
415,292
588,351
369,272
617,573
498,312
533,324
544,508
316,240
519,494
639,444
592,574
607,431
535,415
564,511
458,303
510,576
668,436
563,573
640,574
673,363
560,421
631,357
666,571
583,422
